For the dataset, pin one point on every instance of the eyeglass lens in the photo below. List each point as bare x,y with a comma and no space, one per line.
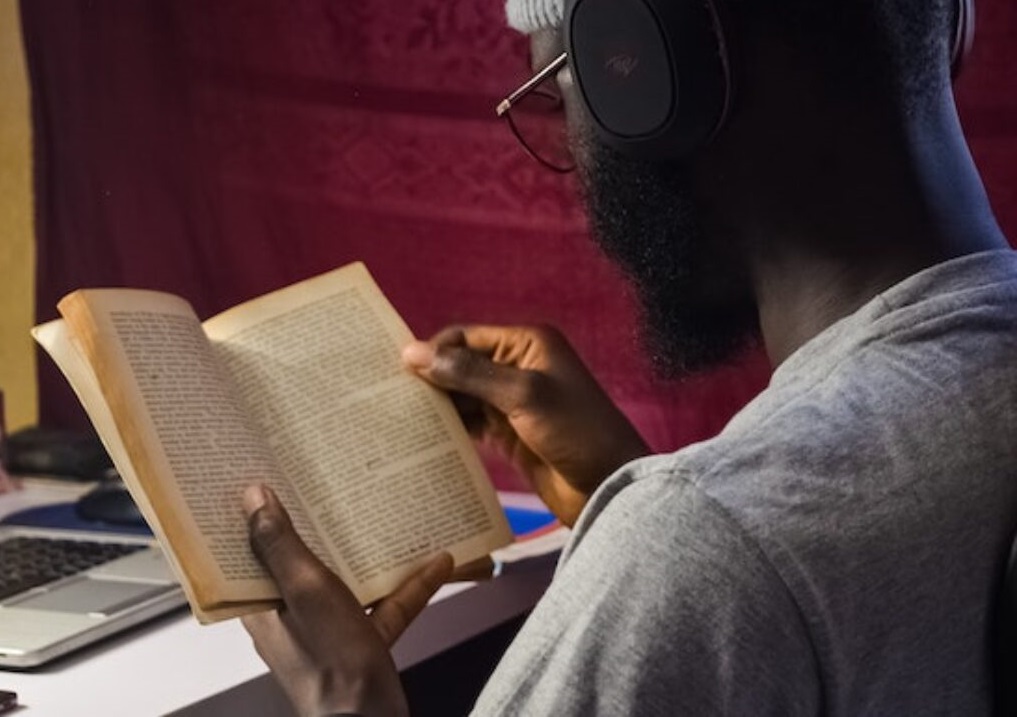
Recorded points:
538,121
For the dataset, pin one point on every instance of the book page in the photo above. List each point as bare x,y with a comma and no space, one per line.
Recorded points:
187,442
381,461
55,339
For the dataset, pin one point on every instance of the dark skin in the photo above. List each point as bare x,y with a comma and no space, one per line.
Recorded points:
831,201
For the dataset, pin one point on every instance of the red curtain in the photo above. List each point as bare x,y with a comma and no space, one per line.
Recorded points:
223,149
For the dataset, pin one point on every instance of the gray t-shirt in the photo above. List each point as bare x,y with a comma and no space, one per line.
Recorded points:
835,550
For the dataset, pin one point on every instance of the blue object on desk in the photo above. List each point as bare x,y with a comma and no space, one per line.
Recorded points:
65,516
525,520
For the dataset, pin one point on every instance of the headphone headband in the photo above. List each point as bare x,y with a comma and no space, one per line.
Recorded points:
963,36
656,75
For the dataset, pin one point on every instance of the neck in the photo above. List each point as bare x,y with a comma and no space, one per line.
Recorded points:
874,208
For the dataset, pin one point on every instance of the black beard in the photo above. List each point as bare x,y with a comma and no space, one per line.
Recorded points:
697,306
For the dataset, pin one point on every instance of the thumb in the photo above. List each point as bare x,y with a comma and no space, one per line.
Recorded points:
278,546
272,536
459,368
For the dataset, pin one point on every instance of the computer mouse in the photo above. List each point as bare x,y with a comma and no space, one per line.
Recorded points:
69,454
109,503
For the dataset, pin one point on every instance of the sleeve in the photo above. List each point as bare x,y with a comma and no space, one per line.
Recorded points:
662,606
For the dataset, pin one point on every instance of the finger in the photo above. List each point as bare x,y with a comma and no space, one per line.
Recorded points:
505,344
464,370
522,346
295,569
450,336
471,412
393,615
272,640
419,355
480,569
263,627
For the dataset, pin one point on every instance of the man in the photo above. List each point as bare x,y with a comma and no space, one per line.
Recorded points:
837,548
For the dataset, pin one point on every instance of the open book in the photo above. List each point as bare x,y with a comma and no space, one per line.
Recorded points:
302,389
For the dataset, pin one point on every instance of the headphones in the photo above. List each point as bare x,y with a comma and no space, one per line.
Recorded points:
656,75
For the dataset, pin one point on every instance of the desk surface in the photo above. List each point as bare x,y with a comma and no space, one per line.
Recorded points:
174,665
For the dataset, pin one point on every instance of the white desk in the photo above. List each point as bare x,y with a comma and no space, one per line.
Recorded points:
176,666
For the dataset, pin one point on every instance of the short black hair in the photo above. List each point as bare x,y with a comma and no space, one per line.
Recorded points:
901,47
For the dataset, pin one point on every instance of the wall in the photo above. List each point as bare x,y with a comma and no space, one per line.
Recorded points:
220,150
987,99
223,149
17,256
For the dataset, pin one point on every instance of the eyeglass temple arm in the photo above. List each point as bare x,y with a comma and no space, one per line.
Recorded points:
552,69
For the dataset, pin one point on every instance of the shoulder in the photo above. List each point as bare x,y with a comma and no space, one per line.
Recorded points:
663,604
660,506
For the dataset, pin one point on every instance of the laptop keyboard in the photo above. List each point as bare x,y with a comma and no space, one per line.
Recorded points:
28,562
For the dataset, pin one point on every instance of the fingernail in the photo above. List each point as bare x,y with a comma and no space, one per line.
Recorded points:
418,354
254,499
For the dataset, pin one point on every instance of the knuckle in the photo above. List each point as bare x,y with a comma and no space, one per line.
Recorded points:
534,388
449,336
304,584
266,529
458,362
433,579
546,334
394,620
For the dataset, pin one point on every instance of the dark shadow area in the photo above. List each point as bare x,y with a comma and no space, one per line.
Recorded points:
448,684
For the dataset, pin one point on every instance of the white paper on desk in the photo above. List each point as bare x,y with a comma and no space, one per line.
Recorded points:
543,544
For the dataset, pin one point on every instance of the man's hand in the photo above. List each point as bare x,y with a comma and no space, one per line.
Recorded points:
327,653
526,390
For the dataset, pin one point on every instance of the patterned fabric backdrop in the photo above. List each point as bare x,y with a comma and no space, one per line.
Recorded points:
223,149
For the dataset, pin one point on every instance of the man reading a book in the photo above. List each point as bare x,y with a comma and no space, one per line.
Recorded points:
837,547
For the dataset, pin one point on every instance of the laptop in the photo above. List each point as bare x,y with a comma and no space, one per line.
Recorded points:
61,590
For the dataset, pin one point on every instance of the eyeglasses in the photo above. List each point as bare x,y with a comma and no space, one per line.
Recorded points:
533,113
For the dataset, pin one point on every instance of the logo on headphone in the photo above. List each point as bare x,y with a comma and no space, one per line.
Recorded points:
622,65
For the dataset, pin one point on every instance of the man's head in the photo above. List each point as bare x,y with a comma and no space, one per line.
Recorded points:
687,229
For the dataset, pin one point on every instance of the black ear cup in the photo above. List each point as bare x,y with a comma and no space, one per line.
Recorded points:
654,73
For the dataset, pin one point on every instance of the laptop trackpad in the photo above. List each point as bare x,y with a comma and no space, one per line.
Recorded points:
86,595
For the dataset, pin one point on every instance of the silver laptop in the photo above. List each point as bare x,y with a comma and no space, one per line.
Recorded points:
61,590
